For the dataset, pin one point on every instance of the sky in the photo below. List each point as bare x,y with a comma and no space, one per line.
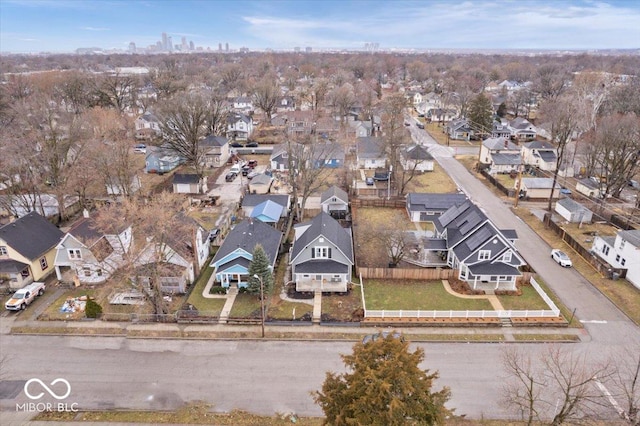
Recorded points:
65,25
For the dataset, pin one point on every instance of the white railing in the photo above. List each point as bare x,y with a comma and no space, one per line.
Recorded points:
544,296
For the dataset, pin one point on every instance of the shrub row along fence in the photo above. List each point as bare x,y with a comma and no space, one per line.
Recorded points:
601,266
552,312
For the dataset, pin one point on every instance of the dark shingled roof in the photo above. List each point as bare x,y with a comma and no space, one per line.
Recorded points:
186,178
487,268
328,227
246,235
31,235
11,266
440,202
322,267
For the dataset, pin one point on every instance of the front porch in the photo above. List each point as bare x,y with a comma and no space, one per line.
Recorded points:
324,285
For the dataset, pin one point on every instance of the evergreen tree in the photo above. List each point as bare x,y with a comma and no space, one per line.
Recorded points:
481,112
260,266
384,386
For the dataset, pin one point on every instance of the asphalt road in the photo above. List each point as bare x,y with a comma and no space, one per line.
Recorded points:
267,377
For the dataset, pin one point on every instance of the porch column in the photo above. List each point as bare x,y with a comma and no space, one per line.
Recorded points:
58,273
497,283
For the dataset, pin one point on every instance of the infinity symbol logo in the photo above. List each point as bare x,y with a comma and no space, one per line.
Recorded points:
52,393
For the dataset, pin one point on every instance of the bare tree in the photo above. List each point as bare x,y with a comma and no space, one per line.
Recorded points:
266,95
115,91
167,79
550,81
564,117
395,241
624,384
395,135
342,99
560,385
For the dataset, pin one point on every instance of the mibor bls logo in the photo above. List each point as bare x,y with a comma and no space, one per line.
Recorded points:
54,389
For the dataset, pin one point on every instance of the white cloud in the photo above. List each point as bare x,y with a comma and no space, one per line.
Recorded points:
95,29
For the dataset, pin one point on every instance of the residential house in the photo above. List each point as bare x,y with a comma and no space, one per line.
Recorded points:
268,212
414,97
260,184
321,255
425,207
335,202
416,157
161,160
242,104
286,103
251,201
216,150
537,188
441,115
231,262
480,252
540,154
589,187
27,249
189,183
115,187
239,126
459,129
299,123
89,255
327,127
280,160
370,153
500,130
572,211
176,261
500,155
621,252
19,205
522,129
147,126
360,129
327,155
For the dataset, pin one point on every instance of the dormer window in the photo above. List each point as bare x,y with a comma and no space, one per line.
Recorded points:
484,254
321,253
74,254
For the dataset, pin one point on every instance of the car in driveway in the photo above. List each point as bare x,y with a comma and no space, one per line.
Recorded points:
252,145
562,258
369,181
235,145
230,177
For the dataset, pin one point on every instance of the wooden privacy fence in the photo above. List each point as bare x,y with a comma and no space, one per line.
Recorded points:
379,202
406,273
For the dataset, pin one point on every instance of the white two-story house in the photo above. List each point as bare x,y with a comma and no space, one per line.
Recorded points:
621,252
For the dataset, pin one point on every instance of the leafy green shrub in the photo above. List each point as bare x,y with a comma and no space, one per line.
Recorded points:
218,290
92,309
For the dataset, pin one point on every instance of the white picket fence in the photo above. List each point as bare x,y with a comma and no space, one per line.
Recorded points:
552,312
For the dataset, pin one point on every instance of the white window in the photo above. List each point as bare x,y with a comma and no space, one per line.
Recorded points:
3,250
43,263
74,253
86,271
605,249
322,252
503,278
507,257
623,261
99,272
484,254
617,258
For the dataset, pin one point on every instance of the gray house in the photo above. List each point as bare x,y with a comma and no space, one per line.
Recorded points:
251,201
322,255
335,202
423,207
370,152
216,150
161,160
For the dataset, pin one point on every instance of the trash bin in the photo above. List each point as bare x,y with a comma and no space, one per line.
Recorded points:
615,276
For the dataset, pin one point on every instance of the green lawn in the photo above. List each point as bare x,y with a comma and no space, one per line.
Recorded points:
211,306
246,306
530,299
414,295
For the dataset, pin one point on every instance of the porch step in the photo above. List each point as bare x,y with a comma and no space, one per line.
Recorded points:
506,322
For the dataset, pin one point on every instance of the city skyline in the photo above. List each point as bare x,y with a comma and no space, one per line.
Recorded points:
31,26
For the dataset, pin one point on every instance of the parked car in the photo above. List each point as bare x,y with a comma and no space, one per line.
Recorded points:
382,335
140,148
369,181
213,234
235,145
246,170
252,163
252,175
406,123
252,145
230,177
25,296
420,126
562,258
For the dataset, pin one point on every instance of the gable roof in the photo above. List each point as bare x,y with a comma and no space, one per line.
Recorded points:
370,147
334,191
422,201
571,205
632,236
261,179
252,200
185,178
31,235
214,141
417,152
269,210
498,144
329,228
246,234
539,145
539,183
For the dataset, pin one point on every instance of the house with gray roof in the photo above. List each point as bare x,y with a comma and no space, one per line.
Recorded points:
480,252
539,188
416,158
89,255
522,129
27,249
189,183
621,252
231,262
500,155
285,155
370,153
459,129
322,255
589,187
540,154
425,207
216,150
268,212
335,202
239,126
250,201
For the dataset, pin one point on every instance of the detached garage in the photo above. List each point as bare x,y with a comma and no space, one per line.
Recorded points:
573,212
538,188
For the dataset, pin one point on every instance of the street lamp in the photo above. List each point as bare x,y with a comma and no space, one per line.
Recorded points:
259,278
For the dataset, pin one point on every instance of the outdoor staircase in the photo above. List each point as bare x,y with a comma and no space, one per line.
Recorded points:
506,322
